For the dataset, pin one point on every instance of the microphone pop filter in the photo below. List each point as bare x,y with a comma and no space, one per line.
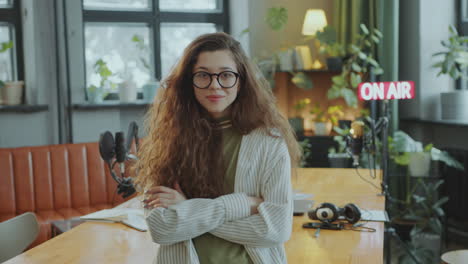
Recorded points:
107,146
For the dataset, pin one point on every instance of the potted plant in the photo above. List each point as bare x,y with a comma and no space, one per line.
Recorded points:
357,67
455,64
306,152
331,47
417,211
406,151
297,122
424,210
338,156
11,92
323,117
97,93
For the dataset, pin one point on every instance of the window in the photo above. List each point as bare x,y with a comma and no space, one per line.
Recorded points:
463,30
139,40
10,41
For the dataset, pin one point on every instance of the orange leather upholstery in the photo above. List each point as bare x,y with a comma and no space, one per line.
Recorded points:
55,182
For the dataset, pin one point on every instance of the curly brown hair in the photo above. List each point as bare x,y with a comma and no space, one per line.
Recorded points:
183,144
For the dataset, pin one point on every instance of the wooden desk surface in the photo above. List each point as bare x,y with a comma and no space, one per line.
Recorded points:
338,186
94,242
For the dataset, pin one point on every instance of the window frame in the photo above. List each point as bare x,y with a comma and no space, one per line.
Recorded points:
463,17
154,17
462,27
12,15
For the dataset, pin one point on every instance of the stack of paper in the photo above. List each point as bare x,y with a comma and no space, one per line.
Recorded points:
134,218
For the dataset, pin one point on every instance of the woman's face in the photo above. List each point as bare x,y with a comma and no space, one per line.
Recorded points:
210,93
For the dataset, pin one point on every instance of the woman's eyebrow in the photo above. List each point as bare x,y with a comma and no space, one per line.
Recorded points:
221,68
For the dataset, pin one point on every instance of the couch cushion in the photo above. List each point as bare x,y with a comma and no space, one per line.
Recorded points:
56,182
4,217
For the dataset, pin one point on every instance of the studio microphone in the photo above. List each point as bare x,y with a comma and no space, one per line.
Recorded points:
120,151
355,141
107,146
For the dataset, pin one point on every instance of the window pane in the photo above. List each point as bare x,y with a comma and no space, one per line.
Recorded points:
123,48
188,5
117,4
5,3
175,37
465,8
6,53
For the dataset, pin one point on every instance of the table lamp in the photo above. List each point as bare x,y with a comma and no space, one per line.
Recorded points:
315,20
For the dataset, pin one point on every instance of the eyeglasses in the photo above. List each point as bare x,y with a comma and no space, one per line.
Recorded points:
226,79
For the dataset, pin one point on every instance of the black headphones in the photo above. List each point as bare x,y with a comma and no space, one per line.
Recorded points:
328,212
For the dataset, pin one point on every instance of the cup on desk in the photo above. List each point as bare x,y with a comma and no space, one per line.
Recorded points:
302,206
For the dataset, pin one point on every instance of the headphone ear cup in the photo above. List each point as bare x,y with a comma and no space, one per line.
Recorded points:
326,212
312,214
352,213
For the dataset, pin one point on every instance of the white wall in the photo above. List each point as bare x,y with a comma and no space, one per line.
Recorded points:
263,40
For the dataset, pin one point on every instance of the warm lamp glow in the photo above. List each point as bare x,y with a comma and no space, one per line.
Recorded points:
314,21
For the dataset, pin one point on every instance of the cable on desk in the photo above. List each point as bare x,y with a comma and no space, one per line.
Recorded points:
375,186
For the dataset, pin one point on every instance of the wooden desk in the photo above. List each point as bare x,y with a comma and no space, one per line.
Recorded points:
93,242
338,186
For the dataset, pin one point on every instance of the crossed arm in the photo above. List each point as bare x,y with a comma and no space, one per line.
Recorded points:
229,216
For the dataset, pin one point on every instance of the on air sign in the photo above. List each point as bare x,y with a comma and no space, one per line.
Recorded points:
386,90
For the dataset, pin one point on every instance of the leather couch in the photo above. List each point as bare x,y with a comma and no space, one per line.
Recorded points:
55,182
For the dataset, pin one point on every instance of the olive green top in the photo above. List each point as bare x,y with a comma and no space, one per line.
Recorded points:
212,249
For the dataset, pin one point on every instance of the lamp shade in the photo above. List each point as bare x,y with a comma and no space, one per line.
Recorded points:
314,21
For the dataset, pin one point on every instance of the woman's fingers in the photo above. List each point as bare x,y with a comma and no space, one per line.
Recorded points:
160,189
159,195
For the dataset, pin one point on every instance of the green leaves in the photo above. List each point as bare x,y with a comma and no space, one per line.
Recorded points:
455,57
302,81
245,31
100,67
402,159
364,29
357,67
443,156
6,46
355,79
327,35
277,17
349,96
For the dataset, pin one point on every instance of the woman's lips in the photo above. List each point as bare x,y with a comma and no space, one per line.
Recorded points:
215,98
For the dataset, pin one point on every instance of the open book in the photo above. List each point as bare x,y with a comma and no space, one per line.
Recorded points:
131,217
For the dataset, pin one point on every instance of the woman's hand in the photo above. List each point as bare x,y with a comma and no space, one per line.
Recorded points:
254,203
161,196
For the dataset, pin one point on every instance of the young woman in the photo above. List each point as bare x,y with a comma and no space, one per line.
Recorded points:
216,163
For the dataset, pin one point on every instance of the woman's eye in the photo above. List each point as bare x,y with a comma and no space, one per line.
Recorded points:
227,75
202,75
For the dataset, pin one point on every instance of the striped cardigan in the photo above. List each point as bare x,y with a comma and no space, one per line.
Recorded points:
263,170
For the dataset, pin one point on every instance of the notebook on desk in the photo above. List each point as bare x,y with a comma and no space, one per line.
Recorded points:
134,218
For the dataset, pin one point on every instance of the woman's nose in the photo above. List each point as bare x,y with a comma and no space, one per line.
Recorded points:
214,82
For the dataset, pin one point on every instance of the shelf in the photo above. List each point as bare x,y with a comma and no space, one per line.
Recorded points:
314,70
23,108
436,122
111,105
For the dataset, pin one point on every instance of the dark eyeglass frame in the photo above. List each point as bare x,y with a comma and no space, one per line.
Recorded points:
217,79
